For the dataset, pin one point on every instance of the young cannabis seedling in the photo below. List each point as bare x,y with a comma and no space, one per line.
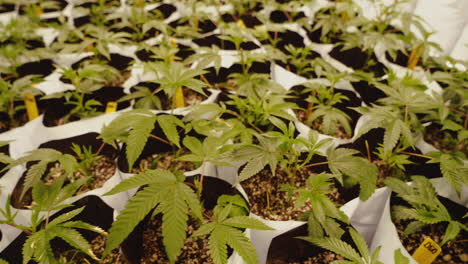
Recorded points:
173,76
43,230
44,156
425,208
321,107
12,93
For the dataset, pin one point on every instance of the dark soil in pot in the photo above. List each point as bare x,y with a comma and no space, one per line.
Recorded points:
345,106
204,26
444,140
223,44
401,58
369,93
5,8
454,252
57,109
248,20
278,16
117,61
103,170
268,201
285,38
165,9
144,245
41,68
96,212
287,249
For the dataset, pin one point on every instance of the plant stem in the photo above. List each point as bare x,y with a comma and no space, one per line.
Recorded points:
316,164
310,106
24,229
368,151
203,78
416,155
160,139
406,113
100,148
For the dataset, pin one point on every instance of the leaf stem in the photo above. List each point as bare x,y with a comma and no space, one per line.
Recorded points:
160,139
416,155
368,151
100,148
316,164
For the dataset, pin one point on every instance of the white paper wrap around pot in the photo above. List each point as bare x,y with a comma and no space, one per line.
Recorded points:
386,234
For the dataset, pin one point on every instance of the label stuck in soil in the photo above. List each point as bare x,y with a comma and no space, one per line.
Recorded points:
111,107
31,106
427,252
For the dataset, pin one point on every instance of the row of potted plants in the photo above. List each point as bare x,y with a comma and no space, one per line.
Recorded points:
300,129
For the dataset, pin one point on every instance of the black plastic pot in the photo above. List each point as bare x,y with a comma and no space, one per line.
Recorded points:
212,189
64,146
96,212
41,68
278,16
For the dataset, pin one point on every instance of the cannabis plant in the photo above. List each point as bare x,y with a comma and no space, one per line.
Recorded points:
172,77
43,229
424,207
321,108
167,194
88,78
12,93
134,128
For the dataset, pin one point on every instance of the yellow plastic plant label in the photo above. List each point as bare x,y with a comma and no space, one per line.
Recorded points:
241,23
31,106
427,252
111,107
179,98
90,47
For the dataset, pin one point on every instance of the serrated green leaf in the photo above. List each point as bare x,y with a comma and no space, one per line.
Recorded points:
391,136
253,167
143,178
135,210
136,141
218,248
174,210
453,229
74,238
204,229
33,175
240,243
338,246
414,226
168,124
360,243
65,217
246,222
